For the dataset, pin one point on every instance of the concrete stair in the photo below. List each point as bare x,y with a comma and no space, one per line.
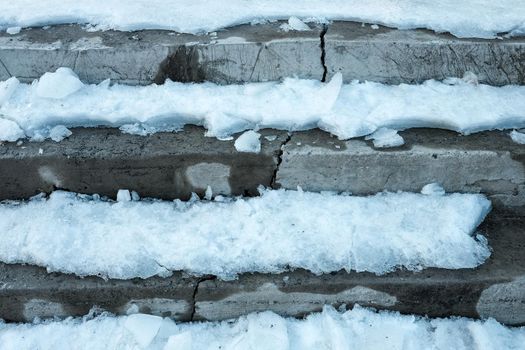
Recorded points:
173,165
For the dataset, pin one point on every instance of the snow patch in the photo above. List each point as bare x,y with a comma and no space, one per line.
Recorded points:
13,30
359,328
345,110
248,142
517,137
320,232
59,132
433,189
58,85
467,18
385,137
295,23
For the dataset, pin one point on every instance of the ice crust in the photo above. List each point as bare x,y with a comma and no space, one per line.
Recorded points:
345,110
467,18
359,328
281,230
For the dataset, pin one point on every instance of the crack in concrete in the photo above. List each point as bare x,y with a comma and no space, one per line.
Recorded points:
7,70
195,292
279,161
323,52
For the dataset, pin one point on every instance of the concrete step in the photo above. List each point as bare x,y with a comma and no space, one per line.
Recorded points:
261,52
173,165
495,289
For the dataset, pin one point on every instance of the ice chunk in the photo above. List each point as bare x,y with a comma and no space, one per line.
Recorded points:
59,132
248,142
384,137
295,23
7,88
10,131
123,196
58,85
517,137
433,189
135,196
13,30
143,327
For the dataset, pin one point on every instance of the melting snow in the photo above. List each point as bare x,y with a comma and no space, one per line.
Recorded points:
345,110
321,232
359,328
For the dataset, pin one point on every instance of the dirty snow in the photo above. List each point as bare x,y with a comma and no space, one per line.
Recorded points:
321,232
248,142
359,328
467,18
345,110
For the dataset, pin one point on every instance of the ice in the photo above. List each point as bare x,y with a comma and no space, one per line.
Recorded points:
345,110
467,18
59,84
385,137
143,328
517,137
280,230
359,328
13,30
295,23
10,131
59,132
123,196
248,142
433,189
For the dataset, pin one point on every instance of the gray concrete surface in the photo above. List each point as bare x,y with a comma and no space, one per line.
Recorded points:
489,163
239,54
494,289
163,165
411,56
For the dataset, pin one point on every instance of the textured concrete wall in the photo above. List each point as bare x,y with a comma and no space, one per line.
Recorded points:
239,54
412,56
164,165
490,163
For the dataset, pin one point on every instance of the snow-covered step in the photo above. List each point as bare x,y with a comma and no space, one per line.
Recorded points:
173,165
359,328
261,52
494,289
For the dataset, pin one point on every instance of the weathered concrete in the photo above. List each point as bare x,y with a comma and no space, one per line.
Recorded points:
239,54
495,289
27,292
411,56
489,162
163,165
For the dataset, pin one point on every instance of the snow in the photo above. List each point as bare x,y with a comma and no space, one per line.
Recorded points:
10,131
385,137
359,328
294,23
467,18
13,30
433,189
123,196
280,230
248,142
345,110
517,137
59,132
59,84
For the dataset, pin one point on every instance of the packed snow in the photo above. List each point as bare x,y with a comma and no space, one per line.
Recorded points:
345,110
359,328
280,230
467,18
248,142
